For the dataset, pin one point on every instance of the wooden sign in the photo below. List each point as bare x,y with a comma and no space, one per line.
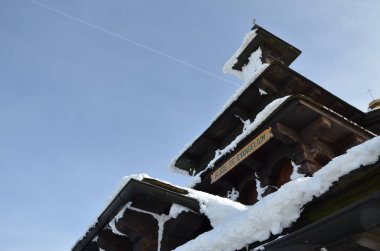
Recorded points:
247,150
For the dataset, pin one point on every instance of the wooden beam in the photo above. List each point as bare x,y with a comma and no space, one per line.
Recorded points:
348,142
145,244
323,149
137,225
315,129
109,241
313,93
267,86
306,157
238,111
285,134
92,246
208,143
289,85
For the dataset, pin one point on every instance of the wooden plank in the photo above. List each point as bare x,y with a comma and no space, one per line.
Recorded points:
237,158
267,86
136,225
109,241
316,129
285,134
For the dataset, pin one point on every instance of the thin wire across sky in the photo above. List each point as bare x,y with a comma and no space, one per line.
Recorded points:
150,49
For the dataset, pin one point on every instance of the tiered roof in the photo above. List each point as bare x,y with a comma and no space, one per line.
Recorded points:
280,146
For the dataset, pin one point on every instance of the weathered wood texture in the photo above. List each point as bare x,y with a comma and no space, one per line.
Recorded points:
109,241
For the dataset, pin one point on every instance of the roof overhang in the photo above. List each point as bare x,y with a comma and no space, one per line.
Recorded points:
342,230
285,51
296,112
150,190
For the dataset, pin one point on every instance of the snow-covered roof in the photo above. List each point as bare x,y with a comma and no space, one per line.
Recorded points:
256,38
251,96
280,209
235,225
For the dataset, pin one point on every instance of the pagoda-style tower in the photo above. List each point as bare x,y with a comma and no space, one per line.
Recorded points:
280,128
311,126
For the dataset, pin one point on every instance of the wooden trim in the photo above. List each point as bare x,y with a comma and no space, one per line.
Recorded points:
246,151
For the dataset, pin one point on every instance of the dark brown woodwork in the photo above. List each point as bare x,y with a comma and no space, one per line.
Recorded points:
273,49
170,242
267,86
306,157
284,173
310,152
315,129
252,164
247,191
348,142
285,134
109,241
209,143
371,121
183,228
239,112
269,56
136,225
313,93
92,246
222,187
147,203
289,85
145,244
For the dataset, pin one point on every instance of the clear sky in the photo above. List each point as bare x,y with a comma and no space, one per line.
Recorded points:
81,105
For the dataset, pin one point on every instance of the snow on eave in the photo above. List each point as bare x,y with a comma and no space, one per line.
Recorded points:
248,128
228,66
282,208
123,183
349,121
230,101
94,224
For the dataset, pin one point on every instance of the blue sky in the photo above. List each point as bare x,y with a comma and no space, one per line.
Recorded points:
81,108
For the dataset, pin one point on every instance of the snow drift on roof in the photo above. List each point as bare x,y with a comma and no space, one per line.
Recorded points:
258,69
280,209
248,128
233,60
249,73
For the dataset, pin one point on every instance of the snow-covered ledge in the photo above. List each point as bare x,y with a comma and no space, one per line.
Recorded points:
250,72
279,210
228,66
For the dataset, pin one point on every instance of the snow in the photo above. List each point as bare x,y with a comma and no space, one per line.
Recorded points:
233,60
176,209
216,208
236,225
233,194
254,63
232,99
348,121
259,248
161,219
260,190
262,92
114,229
247,129
295,174
247,224
123,182
249,73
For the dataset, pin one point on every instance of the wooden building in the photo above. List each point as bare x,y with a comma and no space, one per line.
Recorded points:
288,122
